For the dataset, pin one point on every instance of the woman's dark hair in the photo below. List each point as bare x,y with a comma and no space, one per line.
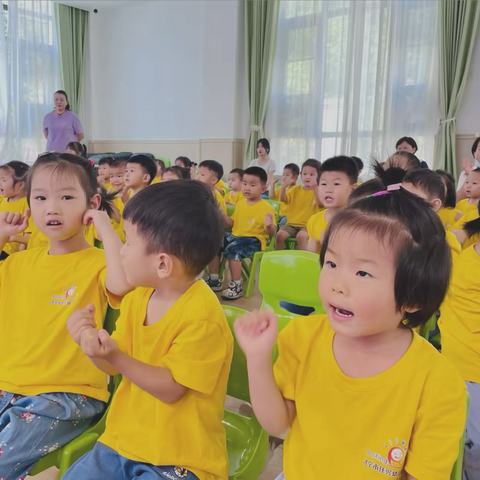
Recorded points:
429,182
405,223
265,144
19,170
78,148
192,231
83,169
311,162
187,163
408,140
62,92
450,191
475,146
473,227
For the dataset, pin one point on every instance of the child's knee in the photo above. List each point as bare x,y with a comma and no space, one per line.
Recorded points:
302,236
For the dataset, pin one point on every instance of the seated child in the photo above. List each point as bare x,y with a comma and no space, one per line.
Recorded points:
104,172
303,201
49,391
338,178
76,148
459,321
472,190
160,169
172,345
117,180
186,163
209,172
253,223
429,186
175,173
235,178
449,213
13,177
141,170
463,234
336,383
290,175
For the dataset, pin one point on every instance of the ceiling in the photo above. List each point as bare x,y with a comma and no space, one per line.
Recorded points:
90,5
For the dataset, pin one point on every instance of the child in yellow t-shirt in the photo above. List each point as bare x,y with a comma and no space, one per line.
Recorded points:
235,194
459,325
303,201
209,172
385,270
290,175
429,186
449,213
49,391
117,180
338,178
140,172
253,223
172,345
104,172
472,190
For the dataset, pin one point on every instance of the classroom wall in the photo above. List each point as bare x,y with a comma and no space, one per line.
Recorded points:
168,77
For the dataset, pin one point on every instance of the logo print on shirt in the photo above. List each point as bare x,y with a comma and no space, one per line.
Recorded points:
392,464
69,295
251,222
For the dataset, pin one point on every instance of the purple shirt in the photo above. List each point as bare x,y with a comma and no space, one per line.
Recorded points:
62,129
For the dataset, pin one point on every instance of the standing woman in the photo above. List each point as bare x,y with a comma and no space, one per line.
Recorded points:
263,149
61,126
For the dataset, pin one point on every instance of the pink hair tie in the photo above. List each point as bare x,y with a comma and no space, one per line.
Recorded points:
395,186
92,163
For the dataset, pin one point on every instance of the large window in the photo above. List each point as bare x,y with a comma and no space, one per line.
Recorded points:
352,77
29,74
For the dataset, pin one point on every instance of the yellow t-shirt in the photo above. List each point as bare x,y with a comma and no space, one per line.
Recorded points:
249,220
221,185
39,239
467,217
301,206
454,244
118,227
447,216
156,180
221,200
17,206
460,316
107,186
234,198
193,341
283,206
316,225
466,207
411,416
38,294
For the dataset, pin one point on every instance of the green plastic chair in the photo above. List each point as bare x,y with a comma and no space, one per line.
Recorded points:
247,442
291,243
290,276
457,472
64,457
166,161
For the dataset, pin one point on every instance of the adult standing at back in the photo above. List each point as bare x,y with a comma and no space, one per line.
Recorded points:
61,126
262,161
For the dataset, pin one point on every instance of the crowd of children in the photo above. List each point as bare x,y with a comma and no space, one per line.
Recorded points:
360,393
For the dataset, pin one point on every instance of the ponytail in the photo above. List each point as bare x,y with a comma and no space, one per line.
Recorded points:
106,200
473,227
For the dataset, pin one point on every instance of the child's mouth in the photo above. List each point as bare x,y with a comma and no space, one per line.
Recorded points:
53,223
343,313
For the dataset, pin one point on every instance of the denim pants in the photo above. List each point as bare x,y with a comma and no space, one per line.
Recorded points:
103,463
31,427
472,436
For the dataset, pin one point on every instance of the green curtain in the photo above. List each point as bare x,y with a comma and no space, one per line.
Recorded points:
458,27
261,21
72,24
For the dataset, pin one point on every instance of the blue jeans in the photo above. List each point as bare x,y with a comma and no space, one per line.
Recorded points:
472,436
103,463
237,248
31,427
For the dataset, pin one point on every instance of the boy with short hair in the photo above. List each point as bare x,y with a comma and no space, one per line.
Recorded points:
235,178
141,171
160,164
172,345
338,178
103,173
290,174
210,172
253,223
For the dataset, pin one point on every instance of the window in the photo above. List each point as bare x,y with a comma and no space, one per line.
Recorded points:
352,77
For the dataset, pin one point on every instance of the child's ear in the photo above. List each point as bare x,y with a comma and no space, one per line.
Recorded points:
264,188
146,178
436,204
95,201
354,186
164,265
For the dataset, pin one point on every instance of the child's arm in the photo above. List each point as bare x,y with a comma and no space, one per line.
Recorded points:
461,235
228,220
116,281
125,195
272,188
283,191
270,224
22,239
116,217
12,224
256,333
316,192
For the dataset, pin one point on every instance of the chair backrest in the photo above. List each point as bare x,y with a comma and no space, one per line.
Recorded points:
230,209
165,160
290,276
275,205
457,471
110,319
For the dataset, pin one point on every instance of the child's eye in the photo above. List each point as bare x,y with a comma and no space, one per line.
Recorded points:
67,197
363,274
331,264
40,197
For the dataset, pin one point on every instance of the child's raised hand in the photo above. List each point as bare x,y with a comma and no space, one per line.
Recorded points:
268,219
98,343
100,220
274,180
13,224
257,332
125,195
81,320
467,166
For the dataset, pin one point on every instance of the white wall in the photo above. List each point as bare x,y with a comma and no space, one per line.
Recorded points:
166,70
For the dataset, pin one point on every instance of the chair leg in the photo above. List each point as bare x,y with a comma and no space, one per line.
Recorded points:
253,273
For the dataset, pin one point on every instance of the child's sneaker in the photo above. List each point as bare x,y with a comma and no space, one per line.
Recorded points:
215,285
233,291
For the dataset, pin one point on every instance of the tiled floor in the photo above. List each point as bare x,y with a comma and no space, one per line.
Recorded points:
274,465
